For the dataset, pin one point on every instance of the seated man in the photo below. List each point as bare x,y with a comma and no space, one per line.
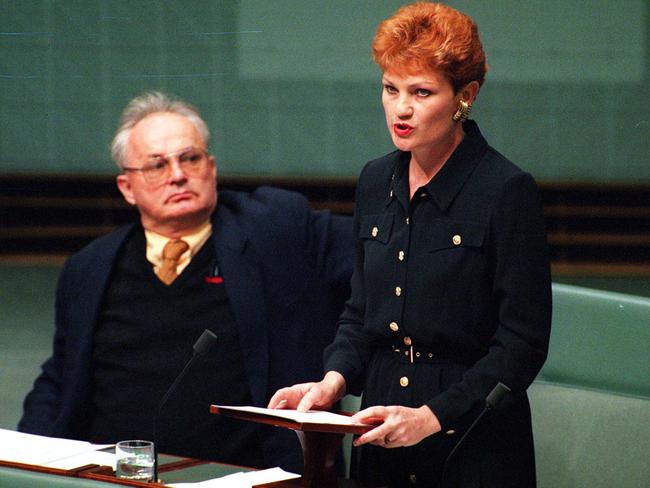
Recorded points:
262,271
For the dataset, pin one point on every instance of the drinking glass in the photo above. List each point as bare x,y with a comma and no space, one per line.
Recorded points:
134,460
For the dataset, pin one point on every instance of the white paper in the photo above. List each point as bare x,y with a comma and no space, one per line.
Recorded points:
268,476
232,480
310,417
19,447
242,480
89,457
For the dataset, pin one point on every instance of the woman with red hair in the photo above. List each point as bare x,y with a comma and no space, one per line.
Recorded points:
451,290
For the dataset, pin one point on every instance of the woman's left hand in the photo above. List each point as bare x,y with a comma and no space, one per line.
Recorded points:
401,427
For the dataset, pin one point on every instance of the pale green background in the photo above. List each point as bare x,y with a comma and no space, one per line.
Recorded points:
289,89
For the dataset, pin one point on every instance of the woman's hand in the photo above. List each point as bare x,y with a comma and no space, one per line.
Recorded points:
401,427
304,396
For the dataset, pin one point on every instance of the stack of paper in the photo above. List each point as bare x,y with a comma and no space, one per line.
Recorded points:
58,453
310,417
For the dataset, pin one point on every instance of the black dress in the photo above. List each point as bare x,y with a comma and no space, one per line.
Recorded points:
450,295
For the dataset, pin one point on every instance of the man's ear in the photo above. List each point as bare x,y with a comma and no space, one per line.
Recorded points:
124,185
212,161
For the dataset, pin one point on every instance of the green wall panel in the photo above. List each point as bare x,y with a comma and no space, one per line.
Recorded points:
288,87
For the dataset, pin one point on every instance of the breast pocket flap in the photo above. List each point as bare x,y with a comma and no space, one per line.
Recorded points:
376,227
450,235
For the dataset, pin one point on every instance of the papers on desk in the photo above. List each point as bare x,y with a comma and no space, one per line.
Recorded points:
242,480
85,458
57,453
67,454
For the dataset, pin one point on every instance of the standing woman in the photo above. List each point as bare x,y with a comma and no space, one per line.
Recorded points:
451,289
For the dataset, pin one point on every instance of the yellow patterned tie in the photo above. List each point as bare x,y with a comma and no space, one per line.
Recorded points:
171,252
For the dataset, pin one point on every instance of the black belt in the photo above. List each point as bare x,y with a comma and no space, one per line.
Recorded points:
413,354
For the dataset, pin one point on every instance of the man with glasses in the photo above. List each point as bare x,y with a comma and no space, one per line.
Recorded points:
262,271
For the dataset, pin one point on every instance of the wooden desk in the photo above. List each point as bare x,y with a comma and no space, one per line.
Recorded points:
172,470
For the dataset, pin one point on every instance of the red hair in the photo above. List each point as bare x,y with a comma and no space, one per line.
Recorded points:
427,36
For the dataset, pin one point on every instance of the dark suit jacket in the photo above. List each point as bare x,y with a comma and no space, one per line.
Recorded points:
286,271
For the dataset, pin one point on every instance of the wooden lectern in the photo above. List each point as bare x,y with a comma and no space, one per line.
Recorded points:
320,443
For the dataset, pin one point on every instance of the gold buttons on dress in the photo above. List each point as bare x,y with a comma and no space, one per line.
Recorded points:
407,221
390,195
413,479
408,341
375,231
456,240
450,432
393,326
400,255
404,381
398,291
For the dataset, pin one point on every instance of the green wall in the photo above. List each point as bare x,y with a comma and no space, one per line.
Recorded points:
27,318
289,89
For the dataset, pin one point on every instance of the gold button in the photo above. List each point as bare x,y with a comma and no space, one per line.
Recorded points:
413,479
407,221
400,256
391,194
408,341
417,354
375,231
404,381
393,326
398,291
456,240
430,355
450,432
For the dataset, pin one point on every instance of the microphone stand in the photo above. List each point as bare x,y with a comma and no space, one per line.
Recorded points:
201,346
491,401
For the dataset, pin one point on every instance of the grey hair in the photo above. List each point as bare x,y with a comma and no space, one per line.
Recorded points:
147,104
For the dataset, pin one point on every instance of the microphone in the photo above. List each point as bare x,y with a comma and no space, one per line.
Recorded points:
491,401
202,345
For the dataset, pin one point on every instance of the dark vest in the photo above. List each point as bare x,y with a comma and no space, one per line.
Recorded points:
145,334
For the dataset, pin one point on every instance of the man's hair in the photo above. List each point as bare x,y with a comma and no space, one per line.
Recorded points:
423,36
145,105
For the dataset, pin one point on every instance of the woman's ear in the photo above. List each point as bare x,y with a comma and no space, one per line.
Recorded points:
469,92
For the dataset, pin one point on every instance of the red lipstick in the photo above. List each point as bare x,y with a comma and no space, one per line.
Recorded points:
402,130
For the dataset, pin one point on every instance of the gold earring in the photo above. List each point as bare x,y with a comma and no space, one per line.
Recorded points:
463,111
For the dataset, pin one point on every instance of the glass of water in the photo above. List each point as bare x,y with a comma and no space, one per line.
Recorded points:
134,460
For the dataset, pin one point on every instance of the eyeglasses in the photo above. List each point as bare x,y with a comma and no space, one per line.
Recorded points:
158,168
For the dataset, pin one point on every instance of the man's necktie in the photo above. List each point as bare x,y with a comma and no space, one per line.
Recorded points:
171,252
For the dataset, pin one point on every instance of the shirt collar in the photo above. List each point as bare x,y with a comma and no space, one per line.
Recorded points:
399,186
446,184
195,239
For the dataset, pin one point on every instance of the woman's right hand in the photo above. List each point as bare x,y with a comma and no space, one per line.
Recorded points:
305,396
